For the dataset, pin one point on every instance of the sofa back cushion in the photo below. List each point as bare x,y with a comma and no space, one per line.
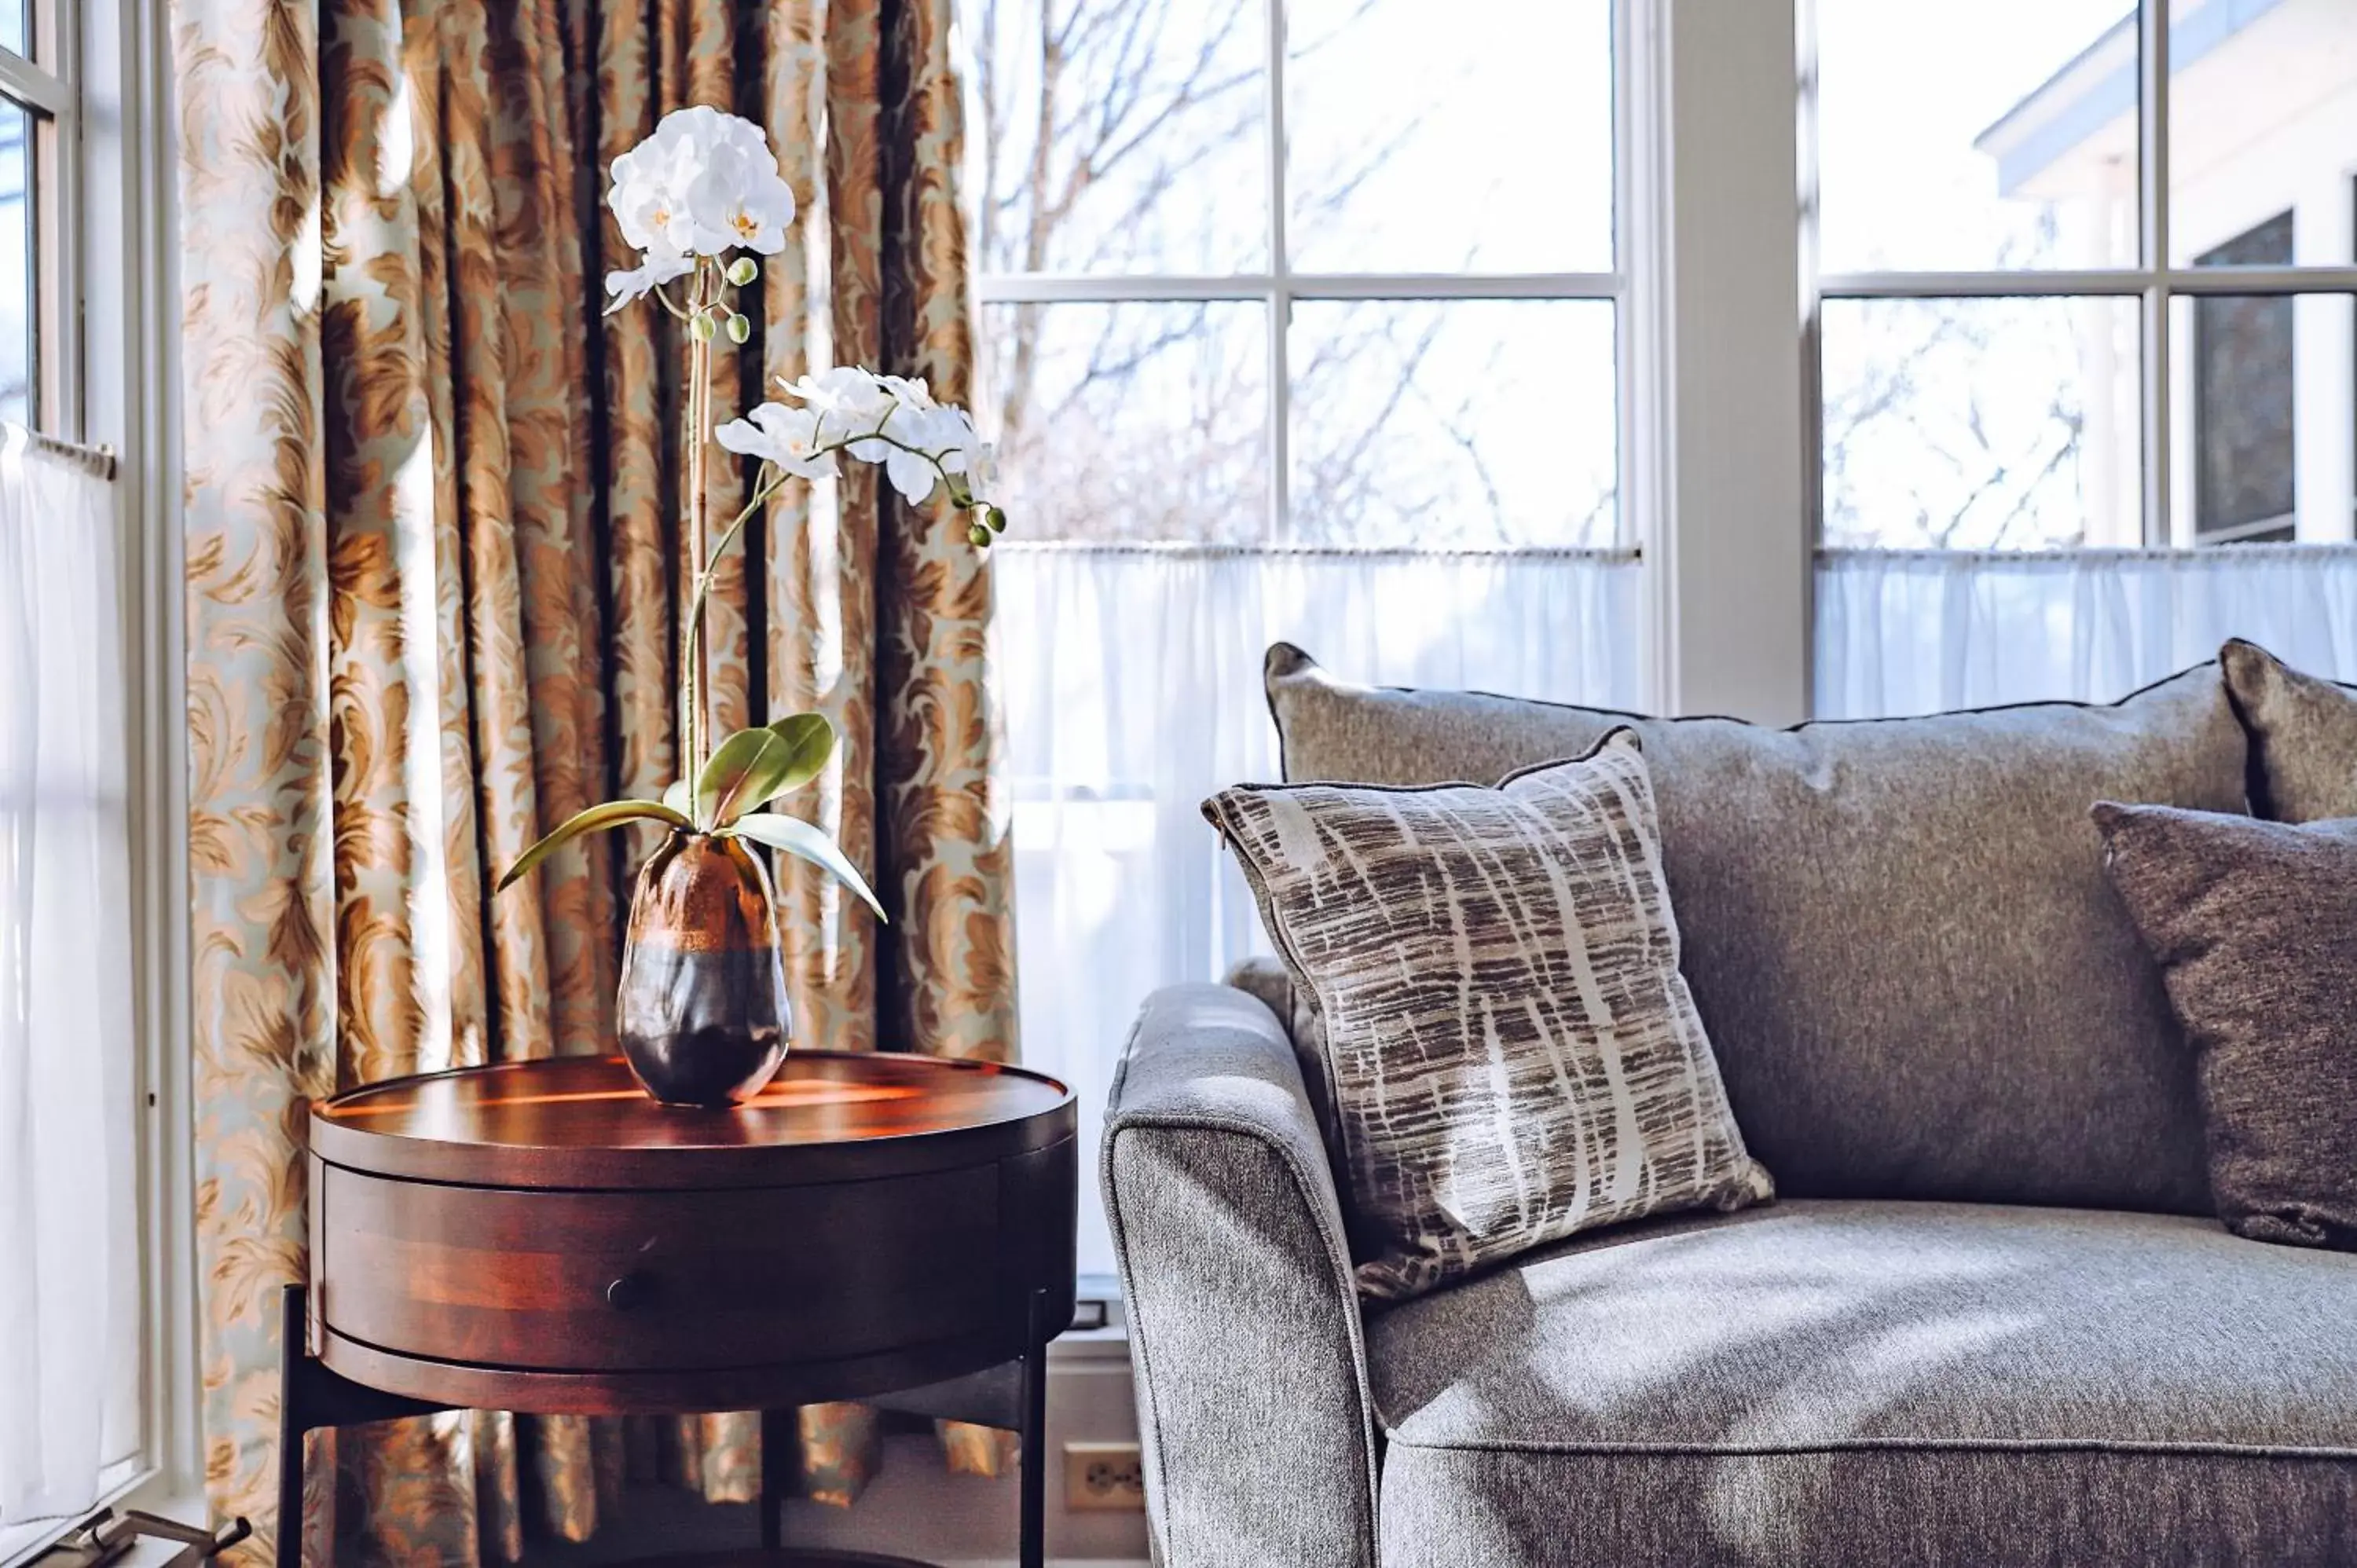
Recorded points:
1898,932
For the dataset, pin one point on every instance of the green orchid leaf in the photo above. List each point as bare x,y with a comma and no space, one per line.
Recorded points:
681,797
597,819
754,766
798,838
810,742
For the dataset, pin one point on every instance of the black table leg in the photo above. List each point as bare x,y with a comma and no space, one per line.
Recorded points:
293,1330
311,1397
775,1445
1034,1461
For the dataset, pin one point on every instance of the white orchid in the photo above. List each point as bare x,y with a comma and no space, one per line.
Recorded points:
789,437
739,201
704,184
893,422
659,268
856,397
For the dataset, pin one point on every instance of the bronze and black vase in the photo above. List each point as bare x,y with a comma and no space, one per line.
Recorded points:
702,1011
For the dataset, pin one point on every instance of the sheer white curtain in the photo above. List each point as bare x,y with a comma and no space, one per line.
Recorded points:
1133,690
1904,632
70,1342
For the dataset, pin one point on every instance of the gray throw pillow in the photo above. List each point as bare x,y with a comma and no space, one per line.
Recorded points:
1511,1053
2255,927
2303,736
1917,982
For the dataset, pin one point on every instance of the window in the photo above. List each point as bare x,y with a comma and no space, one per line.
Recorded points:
1300,320
1307,272
2081,271
91,802
41,184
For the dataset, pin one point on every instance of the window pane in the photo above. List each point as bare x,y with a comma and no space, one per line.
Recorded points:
1998,134
16,264
2264,432
14,33
1125,421
1472,423
2263,121
1981,424
1480,142
1153,116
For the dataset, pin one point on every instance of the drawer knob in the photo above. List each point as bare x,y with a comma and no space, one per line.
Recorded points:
630,1292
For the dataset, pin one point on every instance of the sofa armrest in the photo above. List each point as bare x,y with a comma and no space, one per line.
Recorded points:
1246,1340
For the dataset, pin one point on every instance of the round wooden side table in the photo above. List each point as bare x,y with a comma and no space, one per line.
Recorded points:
541,1237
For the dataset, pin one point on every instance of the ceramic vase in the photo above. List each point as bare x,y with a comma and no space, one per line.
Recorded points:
702,1009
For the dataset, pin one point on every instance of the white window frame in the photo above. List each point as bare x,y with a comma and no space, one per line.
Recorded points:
108,377
2153,283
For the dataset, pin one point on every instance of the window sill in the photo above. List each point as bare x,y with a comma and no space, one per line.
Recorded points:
133,1487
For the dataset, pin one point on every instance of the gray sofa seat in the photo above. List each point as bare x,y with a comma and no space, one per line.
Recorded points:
1834,1380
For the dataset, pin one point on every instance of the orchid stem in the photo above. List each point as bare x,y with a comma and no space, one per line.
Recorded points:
696,720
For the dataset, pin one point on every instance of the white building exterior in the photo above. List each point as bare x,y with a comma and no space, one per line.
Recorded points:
2263,111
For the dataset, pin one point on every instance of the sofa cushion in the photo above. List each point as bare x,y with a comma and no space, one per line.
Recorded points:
2255,927
1511,1055
1898,932
2303,736
1847,1381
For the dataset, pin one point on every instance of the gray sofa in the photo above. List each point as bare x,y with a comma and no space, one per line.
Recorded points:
1989,1319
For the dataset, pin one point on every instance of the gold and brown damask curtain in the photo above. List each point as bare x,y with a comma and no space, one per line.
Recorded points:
433,573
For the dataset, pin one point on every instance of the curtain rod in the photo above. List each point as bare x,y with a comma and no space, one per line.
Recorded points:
1606,556
2271,550
98,460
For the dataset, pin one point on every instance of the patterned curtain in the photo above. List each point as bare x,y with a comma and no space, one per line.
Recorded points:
433,571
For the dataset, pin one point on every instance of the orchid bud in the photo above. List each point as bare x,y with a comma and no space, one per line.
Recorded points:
993,519
740,327
742,271
978,536
700,329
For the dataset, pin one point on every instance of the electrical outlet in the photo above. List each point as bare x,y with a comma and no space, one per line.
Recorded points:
1103,1477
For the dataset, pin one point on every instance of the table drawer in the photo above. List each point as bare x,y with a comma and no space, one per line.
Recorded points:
651,1281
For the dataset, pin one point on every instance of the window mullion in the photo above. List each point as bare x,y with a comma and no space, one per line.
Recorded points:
2153,18
1279,296
28,83
2040,284
999,288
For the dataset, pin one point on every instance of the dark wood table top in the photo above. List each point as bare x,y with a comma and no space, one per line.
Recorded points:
583,1121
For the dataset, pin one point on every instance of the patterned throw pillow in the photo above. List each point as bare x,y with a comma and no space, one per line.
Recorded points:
1511,1051
2255,927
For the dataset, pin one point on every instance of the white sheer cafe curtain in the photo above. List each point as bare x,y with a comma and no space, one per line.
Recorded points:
1132,684
1910,632
70,1333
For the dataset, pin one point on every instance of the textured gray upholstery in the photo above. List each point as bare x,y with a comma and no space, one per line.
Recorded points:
1898,932
1267,979
1866,1509
1879,1382
1244,1331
